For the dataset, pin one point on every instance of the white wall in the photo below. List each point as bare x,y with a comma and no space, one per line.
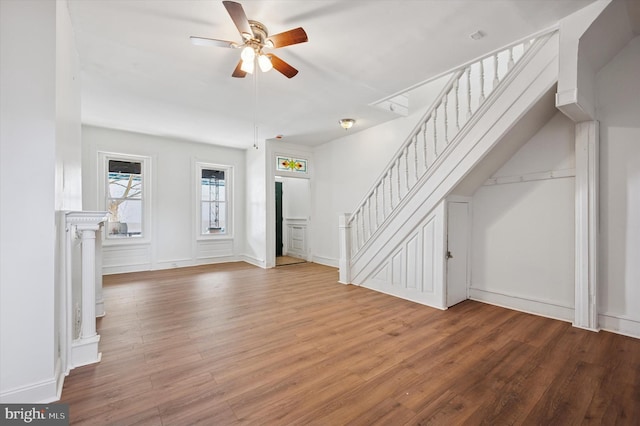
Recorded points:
618,110
522,249
39,174
68,127
256,202
173,203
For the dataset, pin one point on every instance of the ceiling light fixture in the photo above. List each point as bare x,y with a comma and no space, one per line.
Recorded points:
247,66
477,35
347,123
264,62
248,53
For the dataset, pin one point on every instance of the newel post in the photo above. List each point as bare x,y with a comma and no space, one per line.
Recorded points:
345,248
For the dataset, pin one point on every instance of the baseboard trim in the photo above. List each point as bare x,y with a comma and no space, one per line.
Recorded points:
619,325
260,263
298,254
186,263
37,393
326,261
125,269
85,351
60,376
214,260
522,304
173,264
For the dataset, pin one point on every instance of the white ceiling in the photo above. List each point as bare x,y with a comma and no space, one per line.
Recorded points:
141,73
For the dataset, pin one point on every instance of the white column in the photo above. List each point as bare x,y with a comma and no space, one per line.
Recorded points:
345,248
84,349
88,235
586,213
98,273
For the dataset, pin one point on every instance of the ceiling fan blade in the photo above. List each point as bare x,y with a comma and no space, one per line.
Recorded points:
280,65
202,41
238,73
239,18
287,38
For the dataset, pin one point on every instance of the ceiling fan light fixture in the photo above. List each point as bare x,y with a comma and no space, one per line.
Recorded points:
265,63
255,37
247,66
347,123
248,53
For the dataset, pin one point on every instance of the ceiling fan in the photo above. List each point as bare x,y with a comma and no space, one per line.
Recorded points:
255,38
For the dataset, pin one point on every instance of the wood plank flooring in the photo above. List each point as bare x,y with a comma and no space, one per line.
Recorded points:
288,260
235,344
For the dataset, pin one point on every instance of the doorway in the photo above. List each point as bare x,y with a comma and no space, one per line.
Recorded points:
292,220
457,251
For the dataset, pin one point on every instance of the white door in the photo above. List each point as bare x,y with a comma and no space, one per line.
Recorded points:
457,251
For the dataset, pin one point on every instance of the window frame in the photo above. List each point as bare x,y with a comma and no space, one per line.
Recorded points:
228,203
103,193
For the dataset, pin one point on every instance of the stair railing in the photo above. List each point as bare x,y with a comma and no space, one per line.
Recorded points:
465,92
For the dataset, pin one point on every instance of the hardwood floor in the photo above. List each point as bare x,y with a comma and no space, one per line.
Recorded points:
235,344
288,260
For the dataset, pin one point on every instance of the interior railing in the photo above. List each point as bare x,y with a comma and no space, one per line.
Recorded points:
462,96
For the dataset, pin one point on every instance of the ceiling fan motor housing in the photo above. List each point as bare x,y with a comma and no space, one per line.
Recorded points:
260,32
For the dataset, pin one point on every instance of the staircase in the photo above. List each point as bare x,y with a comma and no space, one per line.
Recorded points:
395,240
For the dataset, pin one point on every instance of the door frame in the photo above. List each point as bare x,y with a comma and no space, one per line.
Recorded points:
280,219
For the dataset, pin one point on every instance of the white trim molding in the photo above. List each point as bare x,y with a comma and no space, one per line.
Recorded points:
103,191
529,177
37,393
586,214
227,202
619,324
345,248
528,305
326,261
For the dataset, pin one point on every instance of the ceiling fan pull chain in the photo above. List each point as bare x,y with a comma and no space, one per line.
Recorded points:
255,110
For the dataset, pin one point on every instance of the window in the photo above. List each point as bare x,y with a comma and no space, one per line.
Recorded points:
125,196
213,199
